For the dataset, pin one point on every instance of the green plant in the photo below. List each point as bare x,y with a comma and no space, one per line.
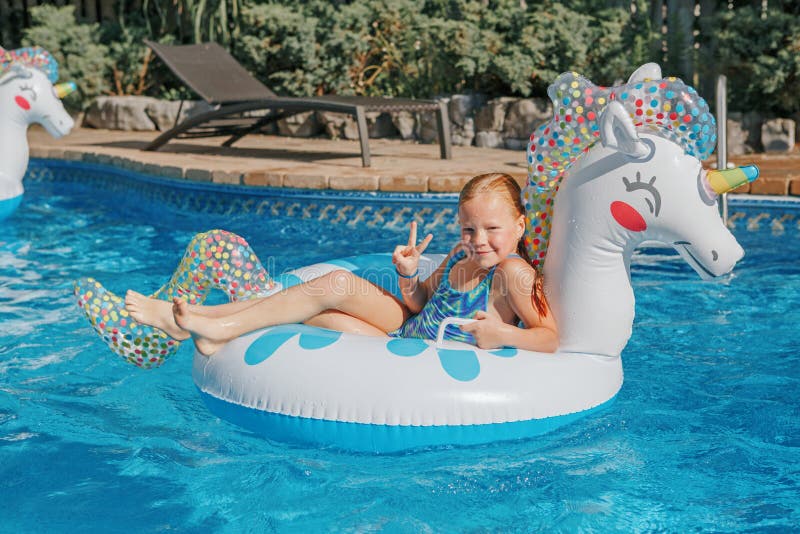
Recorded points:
187,20
279,47
760,54
81,56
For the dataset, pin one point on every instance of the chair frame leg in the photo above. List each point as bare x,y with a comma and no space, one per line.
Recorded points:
443,125
363,135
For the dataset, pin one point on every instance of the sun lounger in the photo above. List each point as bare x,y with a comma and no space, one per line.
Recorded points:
211,72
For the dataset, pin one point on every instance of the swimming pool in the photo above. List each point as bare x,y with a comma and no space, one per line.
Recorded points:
704,434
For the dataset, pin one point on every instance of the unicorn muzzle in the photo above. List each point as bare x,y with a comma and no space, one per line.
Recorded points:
63,89
729,179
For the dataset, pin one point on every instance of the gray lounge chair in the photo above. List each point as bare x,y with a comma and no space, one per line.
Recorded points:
211,72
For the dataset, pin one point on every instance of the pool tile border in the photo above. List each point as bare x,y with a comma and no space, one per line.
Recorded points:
210,193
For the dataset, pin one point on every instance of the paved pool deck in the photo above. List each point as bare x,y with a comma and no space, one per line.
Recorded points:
315,163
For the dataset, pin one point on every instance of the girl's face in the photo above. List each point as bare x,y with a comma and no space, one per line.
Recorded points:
490,229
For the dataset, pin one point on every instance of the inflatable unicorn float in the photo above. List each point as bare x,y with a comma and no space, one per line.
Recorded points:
27,96
614,167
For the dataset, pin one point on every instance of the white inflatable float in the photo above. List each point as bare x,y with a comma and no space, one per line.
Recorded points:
27,96
590,204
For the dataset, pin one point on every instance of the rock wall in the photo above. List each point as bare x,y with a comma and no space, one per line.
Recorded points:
503,122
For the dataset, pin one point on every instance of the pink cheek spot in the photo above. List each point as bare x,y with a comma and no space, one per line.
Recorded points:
22,102
628,217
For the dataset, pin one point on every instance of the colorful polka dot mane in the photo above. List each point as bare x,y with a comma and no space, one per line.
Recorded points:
664,107
30,56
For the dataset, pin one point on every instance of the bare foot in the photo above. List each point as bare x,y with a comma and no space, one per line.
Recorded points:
154,312
208,333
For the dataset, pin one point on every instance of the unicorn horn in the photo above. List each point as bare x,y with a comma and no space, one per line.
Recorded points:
729,179
63,89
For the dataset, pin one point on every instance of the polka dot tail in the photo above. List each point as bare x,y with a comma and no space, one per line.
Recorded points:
213,260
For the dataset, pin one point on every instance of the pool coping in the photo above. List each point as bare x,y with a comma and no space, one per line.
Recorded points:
324,164
735,200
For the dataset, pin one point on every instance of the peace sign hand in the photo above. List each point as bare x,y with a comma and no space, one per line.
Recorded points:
406,257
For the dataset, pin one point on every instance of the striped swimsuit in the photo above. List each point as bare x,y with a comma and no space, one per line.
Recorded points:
448,302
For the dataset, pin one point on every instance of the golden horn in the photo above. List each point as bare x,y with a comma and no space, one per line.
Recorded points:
63,89
729,179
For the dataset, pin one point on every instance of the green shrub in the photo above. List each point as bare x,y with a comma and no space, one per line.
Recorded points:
760,55
278,46
81,56
422,48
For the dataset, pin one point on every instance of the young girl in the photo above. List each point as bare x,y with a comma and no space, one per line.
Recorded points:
482,278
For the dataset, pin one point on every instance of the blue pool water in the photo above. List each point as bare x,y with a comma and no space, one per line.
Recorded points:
704,435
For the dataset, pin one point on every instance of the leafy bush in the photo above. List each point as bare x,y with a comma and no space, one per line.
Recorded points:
760,54
278,45
421,48
81,56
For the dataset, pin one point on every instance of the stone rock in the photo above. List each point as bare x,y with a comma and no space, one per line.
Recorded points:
427,129
163,112
300,125
461,111
139,113
777,135
405,123
737,138
462,135
461,108
338,125
516,144
751,123
493,114
524,116
342,126
120,113
488,139
380,125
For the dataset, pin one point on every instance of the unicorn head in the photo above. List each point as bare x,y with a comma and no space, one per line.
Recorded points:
27,96
616,167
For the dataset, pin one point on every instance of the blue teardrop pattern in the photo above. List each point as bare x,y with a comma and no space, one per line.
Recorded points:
407,346
505,352
269,342
461,364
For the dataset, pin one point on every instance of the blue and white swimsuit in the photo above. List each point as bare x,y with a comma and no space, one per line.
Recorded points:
448,302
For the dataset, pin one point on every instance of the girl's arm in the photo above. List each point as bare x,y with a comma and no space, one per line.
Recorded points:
406,262
417,293
515,282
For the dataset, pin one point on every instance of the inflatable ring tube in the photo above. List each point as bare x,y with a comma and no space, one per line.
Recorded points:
309,385
9,206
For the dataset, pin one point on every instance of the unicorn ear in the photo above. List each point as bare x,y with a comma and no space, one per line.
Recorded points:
618,132
648,71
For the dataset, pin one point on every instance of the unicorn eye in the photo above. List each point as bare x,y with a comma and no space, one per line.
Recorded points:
649,187
29,89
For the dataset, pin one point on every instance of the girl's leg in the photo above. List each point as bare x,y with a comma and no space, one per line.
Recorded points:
158,313
213,260
341,291
341,322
